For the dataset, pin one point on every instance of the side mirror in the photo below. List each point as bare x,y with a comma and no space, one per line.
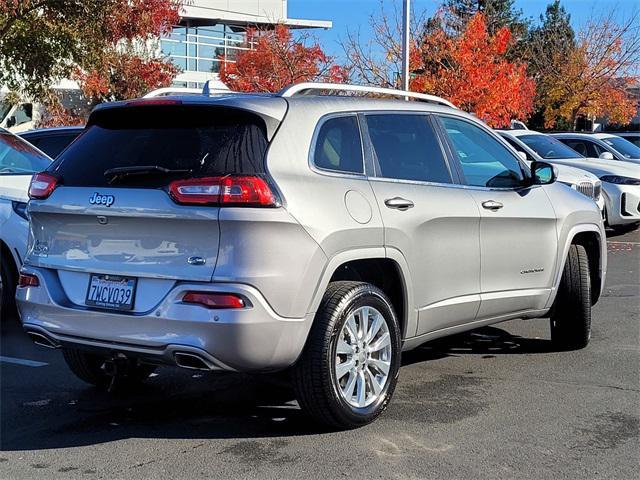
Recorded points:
523,156
606,156
11,121
543,173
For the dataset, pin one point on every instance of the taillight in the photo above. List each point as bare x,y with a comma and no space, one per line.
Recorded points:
28,280
240,190
214,300
42,184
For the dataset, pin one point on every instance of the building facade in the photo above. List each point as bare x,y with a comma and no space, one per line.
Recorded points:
213,30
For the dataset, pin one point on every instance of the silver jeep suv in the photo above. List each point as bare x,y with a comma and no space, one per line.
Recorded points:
320,234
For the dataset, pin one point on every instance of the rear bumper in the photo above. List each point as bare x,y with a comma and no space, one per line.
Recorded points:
623,203
254,338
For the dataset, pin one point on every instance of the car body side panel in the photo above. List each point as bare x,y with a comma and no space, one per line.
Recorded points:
575,214
518,244
338,211
268,249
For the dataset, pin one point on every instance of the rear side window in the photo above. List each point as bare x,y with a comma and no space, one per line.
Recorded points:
407,148
338,145
201,140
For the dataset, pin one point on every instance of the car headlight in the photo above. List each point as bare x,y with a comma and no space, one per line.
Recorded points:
618,180
21,209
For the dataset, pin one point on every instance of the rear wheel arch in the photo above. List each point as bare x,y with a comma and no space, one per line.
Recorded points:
385,274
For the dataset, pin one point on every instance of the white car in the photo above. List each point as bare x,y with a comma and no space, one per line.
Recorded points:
578,179
620,179
605,146
19,160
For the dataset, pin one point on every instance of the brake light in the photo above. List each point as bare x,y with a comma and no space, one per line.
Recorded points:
140,102
41,186
214,300
240,190
28,280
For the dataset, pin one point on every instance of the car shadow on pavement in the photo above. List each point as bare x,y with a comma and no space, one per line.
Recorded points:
482,341
56,411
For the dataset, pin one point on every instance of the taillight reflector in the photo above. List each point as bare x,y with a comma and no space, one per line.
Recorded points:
232,190
214,300
28,280
41,186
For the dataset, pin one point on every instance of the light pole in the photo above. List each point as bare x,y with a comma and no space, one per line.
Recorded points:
406,12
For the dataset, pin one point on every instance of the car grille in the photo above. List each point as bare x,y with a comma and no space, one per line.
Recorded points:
590,189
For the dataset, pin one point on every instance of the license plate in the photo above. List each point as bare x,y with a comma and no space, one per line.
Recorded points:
111,291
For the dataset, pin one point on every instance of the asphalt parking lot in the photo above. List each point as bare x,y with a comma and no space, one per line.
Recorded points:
493,403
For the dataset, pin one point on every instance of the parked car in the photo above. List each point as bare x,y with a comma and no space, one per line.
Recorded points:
18,162
601,145
620,179
578,179
322,234
633,137
51,140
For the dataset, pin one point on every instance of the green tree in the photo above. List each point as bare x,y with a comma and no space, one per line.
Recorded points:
42,41
498,14
546,50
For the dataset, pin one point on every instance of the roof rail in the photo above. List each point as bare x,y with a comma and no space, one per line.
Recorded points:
306,87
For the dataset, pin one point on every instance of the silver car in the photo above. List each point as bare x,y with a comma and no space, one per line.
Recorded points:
319,234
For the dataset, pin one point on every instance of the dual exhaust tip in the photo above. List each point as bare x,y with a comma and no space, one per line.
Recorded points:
183,359
42,340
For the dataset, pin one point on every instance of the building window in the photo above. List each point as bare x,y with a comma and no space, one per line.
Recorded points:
200,49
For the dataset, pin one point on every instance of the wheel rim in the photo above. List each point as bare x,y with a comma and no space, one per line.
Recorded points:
363,357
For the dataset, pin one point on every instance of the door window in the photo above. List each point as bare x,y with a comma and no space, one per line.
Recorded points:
583,147
406,148
484,160
339,146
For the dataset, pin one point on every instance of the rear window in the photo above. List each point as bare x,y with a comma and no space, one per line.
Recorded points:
205,141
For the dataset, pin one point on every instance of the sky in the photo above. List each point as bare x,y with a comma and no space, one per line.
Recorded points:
354,14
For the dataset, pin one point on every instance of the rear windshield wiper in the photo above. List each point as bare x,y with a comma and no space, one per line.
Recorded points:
122,172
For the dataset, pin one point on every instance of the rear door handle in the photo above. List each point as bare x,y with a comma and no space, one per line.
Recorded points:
492,205
398,203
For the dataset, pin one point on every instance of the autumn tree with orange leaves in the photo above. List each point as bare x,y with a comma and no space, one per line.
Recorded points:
470,69
275,59
595,78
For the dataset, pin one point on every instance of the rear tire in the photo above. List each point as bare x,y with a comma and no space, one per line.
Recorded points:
350,399
88,368
571,313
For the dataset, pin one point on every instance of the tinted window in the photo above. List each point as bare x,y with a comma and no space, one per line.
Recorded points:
517,147
485,161
52,145
583,147
625,147
407,148
548,147
338,145
19,157
208,141
635,139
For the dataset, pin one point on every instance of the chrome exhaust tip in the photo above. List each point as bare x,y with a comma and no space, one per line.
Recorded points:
42,340
191,361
